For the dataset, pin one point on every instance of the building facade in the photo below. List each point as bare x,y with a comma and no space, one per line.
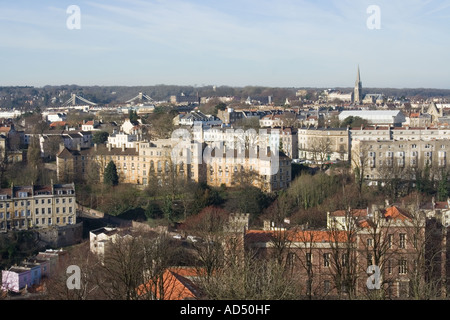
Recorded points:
159,161
402,159
324,144
25,207
334,262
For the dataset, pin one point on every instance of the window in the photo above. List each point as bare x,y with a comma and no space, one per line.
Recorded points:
389,266
402,267
326,259
369,242
291,259
402,243
369,259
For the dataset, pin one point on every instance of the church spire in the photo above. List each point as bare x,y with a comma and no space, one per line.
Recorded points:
358,77
357,92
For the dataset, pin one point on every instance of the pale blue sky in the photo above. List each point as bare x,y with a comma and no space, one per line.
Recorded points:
284,43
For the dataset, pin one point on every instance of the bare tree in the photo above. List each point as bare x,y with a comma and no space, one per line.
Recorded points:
343,260
208,226
320,148
88,264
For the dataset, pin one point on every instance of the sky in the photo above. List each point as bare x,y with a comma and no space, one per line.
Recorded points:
276,43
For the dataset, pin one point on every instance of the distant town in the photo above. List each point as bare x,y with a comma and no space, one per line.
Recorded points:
217,193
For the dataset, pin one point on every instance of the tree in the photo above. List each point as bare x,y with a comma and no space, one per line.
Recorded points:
354,122
221,106
133,116
208,225
100,137
321,150
343,260
111,177
3,167
34,158
137,261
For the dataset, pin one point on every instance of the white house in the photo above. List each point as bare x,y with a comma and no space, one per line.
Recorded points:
130,127
117,140
90,126
99,239
196,117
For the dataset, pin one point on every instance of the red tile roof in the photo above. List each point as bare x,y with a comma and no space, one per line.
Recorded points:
396,213
255,236
176,285
353,212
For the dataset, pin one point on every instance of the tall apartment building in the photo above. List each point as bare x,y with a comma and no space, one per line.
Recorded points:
403,159
285,139
156,161
265,170
134,165
25,207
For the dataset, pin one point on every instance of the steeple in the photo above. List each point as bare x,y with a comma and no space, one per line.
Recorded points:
357,92
358,77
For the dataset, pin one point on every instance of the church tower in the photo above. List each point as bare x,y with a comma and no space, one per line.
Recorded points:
357,92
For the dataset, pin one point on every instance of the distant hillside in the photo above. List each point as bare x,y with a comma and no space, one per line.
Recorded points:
26,97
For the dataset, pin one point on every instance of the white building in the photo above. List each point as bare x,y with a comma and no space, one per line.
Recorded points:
117,140
100,238
196,117
55,116
379,117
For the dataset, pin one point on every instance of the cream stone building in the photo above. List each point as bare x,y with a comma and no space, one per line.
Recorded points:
25,207
134,165
403,159
323,144
155,162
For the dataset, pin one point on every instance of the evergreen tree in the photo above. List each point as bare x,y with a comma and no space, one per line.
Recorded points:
443,190
110,177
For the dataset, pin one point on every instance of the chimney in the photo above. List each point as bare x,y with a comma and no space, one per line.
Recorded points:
79,146
95,146
109,146
123,147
